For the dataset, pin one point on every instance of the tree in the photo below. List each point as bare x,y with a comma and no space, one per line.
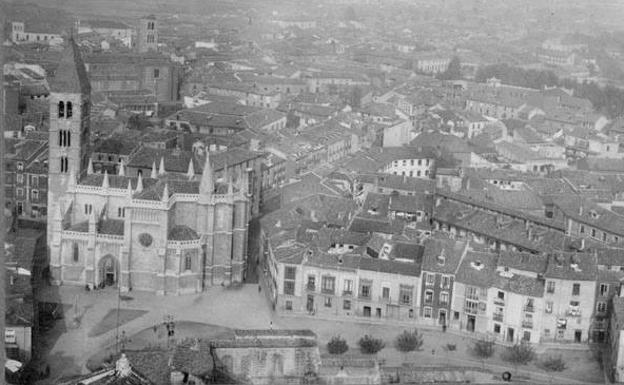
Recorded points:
554,364
337,345
483,348
370,345
453,71
409,341
521,353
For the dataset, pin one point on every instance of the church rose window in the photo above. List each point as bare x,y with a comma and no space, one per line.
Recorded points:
145,239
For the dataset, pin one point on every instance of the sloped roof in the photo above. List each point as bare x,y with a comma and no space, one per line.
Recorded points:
182,233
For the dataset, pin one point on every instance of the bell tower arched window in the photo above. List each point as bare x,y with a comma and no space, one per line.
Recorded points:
64,164
69,110
61,109
64,138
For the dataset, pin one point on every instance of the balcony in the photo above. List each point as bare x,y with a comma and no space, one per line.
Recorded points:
328,291
499,302
527,324
311,287
497,317
529,309
364,297
385,299
347,293
470,310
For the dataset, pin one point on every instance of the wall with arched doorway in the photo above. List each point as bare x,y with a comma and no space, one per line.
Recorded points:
107,271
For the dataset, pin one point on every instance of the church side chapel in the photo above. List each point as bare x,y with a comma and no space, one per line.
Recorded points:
166,233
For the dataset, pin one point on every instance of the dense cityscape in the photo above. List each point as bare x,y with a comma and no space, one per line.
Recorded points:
292,192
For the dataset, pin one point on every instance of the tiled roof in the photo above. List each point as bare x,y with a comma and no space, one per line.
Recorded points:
571,266
182,233
477,269
535,263
112,226
411,203
193,357
451,249
610,257
153,362
508,230
589,213
520,284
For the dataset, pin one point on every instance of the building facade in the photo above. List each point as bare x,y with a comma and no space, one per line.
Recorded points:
167,234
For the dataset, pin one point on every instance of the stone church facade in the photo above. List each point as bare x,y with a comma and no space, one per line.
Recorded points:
166,233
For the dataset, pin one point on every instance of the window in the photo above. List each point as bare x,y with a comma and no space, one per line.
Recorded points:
76,253
64,164
405,295
471,293
576,289
289,287
501,295
604,289
604,237
20,166
593,232
429,296
582,230
549,307
34,181
61,109
69,111
550,287
88,209
328,301
601,307
365,288
156,73
446,282
288,305
35,195
346,304
121,212
311,285
348,286
188,262
427,312
444,298
290,272
430,279
19,178
328,284
497,328
385,292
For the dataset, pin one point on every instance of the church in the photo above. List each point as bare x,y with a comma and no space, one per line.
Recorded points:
164,233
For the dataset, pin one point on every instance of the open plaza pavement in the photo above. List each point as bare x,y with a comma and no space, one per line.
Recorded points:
68,346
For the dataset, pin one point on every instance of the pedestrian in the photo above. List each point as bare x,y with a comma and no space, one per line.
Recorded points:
433,352
271,325
259,288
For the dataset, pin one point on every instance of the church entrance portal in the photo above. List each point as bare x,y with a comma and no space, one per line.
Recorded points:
108,269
